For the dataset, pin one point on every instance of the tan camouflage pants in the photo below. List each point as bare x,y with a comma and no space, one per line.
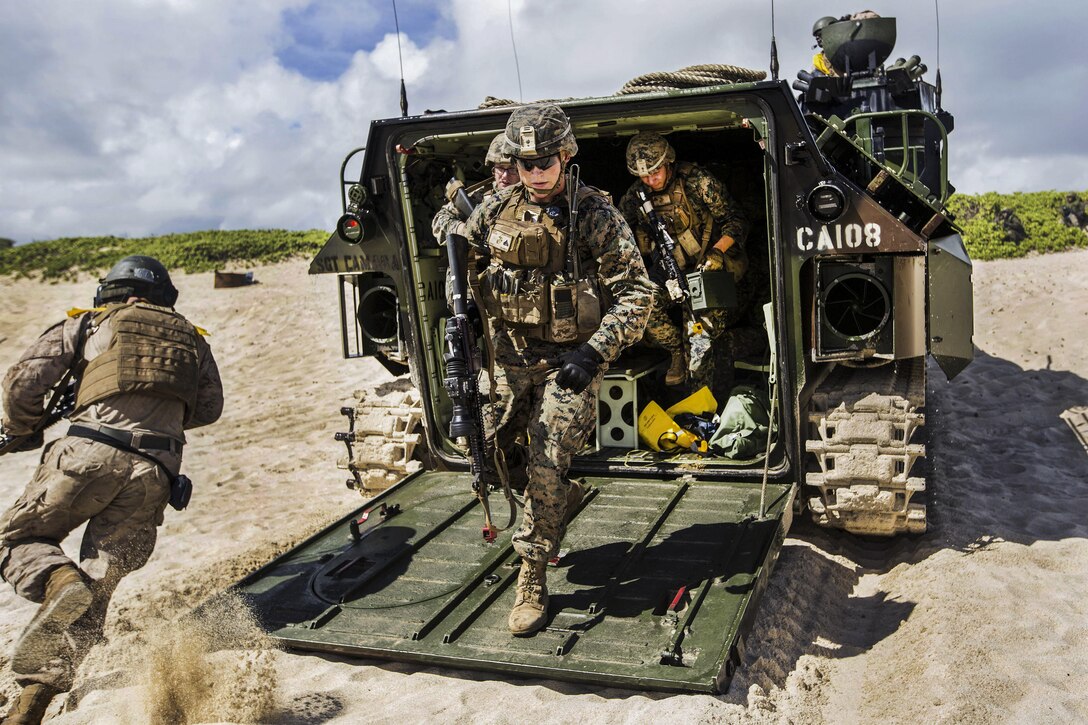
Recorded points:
554,423
121,498
704,353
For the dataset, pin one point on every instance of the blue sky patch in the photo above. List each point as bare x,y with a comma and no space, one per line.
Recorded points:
322,37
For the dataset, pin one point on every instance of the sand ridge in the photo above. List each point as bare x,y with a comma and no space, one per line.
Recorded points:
983,619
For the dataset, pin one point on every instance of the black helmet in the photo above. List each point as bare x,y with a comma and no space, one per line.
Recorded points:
819,25
137,276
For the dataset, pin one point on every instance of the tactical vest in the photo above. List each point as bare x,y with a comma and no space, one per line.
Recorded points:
153,352
530,283
675,209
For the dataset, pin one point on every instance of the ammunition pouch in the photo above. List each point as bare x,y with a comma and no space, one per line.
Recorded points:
521,245
181,490
518,299
542,307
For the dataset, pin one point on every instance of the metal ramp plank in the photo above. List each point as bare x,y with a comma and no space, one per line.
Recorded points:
632,545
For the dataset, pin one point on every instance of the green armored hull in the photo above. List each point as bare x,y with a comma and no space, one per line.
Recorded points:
857,273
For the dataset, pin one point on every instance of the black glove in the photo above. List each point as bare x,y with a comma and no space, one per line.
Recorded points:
579,368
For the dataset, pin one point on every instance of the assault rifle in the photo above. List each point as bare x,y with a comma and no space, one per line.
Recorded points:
677,284
61,404
462,381
666,247
462,203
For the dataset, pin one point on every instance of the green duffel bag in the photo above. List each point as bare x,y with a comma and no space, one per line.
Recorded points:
742,428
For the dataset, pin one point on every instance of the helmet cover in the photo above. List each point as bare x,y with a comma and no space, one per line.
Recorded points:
539,130
646,152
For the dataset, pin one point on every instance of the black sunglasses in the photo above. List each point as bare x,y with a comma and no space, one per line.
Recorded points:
544,162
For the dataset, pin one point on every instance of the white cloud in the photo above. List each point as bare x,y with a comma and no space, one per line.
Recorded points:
143,116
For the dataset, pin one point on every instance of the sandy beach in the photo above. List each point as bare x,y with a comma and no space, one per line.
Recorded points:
984,619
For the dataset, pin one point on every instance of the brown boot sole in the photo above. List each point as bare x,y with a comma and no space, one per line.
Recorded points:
42,639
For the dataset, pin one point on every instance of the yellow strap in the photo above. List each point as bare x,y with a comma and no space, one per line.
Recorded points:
77,311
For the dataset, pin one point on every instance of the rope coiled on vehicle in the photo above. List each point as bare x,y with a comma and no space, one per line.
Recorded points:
692,76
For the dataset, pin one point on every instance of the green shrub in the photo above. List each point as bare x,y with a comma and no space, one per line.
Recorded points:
1040,213
192,252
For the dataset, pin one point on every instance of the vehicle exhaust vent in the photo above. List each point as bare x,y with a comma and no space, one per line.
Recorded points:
378,314
856,306
854,318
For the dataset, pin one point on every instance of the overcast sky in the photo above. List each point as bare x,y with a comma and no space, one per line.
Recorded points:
137,117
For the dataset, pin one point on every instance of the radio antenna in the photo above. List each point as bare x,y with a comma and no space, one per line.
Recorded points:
400,58
774,48
514,45
937,12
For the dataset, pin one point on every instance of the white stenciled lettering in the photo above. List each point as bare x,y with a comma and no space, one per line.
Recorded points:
872,234
838,236
853,235
804,239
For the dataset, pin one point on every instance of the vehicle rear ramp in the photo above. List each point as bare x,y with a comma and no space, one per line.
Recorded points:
655,588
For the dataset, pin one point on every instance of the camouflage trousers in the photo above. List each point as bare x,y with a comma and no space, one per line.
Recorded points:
551,423
121,498
705,352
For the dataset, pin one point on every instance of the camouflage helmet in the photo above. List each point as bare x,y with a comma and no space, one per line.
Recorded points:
646,152
137,276
539,130
496,153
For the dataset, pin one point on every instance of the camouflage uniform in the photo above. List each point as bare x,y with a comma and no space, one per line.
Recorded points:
121,496
715,214
558,422
448,220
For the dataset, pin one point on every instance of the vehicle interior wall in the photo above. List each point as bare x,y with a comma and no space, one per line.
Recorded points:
735,157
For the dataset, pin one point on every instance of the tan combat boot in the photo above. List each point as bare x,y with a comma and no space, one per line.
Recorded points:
30,707
677,371
67,597
530,611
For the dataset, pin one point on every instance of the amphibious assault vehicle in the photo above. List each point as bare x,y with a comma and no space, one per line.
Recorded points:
863,273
